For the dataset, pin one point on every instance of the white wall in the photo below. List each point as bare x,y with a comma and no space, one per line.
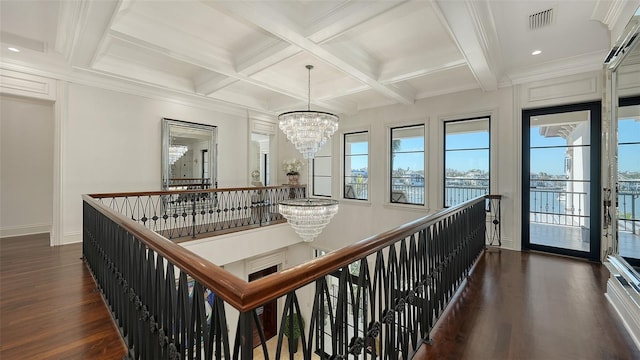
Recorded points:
357,219
26,166
112,144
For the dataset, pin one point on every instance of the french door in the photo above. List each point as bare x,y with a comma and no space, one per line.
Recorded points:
561,180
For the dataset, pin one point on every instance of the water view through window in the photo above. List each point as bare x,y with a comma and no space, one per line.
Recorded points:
559,180
356,165
466,159
407,165
629,181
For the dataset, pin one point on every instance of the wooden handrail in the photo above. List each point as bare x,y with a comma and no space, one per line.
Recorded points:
244,295
192,191
226,285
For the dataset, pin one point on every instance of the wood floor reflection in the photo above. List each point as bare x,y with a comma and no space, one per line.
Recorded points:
514,306
48,306
531,306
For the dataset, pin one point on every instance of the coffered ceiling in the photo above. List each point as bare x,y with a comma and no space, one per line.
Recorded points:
252,54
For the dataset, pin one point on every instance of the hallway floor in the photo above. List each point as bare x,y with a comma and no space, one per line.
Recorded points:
514,306
531,306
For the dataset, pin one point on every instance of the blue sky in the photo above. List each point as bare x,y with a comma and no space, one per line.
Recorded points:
629,155
550,161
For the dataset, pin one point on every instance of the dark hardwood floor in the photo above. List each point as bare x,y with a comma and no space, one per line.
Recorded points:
48,306
531,306
514,306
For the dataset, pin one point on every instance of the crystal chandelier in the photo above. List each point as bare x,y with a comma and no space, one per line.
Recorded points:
308,130
176,152
308,216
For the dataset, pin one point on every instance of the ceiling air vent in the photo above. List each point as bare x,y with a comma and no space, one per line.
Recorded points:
540,19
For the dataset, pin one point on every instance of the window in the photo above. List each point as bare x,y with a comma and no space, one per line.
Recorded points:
407,165
466,159
321,179
356,165
629,178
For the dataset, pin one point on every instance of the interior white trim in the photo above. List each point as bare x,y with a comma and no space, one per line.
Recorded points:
625,308
565,90
264,262
22,230
72,238
61,110
21,84
128,86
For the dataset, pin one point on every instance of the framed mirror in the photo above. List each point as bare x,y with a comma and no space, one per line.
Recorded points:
623,63
188,155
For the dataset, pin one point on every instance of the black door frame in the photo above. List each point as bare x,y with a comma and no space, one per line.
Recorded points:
595,109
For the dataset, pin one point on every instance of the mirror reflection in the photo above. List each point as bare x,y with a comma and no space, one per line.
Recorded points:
188,155
626,67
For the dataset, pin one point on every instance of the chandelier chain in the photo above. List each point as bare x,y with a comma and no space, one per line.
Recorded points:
309,67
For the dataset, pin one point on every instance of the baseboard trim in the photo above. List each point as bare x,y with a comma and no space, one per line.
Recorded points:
507,243
72,238
626,309
22,230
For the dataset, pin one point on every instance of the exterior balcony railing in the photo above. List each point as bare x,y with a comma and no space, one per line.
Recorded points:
461,189
559,207
629,206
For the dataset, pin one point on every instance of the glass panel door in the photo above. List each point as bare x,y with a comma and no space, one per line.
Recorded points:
561,180
629,179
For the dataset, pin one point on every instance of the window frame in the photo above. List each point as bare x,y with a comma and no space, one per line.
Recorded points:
313,171
345,134
488,117
390,153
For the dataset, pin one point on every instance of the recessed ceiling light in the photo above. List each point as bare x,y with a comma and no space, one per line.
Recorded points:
13,49
536,52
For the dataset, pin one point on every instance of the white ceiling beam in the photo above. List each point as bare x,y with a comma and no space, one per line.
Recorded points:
400,73
350,15
209,82
220,67
328,27
222,70
269,54
263,16
141,27
70,18
96,19
472,27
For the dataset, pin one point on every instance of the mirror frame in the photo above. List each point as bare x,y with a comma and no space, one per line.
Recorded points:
167,125
628,41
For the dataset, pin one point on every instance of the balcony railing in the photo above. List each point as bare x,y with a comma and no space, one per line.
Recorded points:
559,207
629,206
172,304
460,189
188,183
183,214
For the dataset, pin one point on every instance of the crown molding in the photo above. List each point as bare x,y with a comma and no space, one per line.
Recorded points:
555,69
615,15
109,82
